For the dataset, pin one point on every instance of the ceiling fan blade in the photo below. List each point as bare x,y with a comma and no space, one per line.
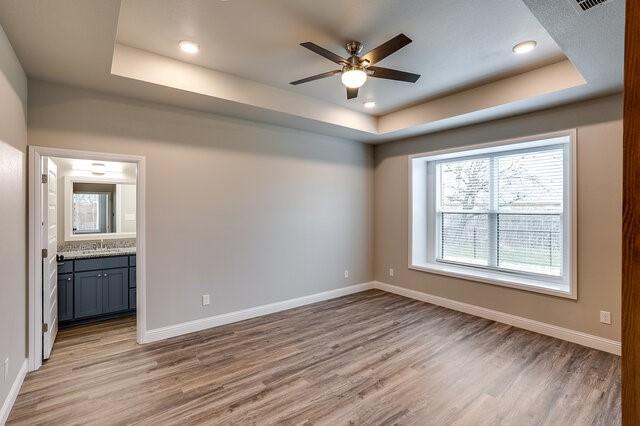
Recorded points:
386,49
324,52
315,77
352,93
390,74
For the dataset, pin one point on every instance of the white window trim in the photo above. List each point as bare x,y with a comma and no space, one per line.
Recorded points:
419,227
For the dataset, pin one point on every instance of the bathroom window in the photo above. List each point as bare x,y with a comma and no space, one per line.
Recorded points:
90,212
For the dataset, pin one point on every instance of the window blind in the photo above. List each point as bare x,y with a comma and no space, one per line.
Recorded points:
503,210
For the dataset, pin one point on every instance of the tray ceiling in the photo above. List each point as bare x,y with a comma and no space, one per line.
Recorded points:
457,44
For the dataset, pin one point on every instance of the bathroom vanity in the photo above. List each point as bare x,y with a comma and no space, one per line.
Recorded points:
95,286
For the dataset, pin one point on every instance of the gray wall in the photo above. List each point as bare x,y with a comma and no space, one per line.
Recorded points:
249,213
599,167
13,228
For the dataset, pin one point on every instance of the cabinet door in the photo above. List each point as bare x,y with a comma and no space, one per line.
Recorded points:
87,294
115,290
65,297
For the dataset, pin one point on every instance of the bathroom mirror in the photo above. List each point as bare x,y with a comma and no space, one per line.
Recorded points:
97,208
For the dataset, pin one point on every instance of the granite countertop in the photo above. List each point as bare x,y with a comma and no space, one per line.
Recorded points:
86,254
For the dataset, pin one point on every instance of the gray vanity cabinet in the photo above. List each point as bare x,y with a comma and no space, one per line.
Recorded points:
65,297
115,290
88,294
93,288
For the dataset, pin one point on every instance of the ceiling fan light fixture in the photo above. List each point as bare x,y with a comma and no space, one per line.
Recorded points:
354,78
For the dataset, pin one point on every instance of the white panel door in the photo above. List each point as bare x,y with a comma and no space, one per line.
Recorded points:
49,263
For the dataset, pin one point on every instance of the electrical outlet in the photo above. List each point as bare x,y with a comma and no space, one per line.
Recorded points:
605,317
5,367
346,273
390,272
205,300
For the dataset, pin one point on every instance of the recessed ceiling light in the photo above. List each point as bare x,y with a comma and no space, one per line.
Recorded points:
524,47
189,47
370,104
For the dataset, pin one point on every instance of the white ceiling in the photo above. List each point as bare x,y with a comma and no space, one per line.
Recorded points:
456,43
250,52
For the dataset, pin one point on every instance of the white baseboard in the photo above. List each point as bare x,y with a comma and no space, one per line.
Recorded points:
218,320
13,393
578,337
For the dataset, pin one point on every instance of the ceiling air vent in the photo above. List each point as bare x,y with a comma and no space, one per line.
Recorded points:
584,5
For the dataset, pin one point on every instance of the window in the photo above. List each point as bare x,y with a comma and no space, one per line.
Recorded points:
499,213
90,212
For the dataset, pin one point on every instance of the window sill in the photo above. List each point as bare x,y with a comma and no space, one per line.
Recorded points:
497,278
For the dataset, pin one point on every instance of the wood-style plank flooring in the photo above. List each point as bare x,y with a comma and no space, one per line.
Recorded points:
368,358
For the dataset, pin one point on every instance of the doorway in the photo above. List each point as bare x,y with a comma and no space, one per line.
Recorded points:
86,243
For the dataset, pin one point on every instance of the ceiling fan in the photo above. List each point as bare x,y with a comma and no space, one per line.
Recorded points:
356,69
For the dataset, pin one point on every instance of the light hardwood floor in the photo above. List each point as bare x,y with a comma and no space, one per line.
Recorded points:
368,358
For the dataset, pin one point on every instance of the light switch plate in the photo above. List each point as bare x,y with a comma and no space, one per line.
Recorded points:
605,317
205,300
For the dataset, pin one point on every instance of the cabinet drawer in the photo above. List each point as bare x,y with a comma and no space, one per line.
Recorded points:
65,267
132,260
132,277
132,298
101,263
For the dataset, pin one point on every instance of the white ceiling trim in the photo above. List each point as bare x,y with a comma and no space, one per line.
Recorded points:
549,79
149,67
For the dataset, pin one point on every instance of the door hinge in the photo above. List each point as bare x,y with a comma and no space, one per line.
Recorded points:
45,253
45,178
45,327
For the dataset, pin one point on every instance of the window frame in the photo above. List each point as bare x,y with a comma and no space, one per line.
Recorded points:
422,214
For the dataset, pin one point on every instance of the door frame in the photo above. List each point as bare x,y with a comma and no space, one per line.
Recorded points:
35,241
631,221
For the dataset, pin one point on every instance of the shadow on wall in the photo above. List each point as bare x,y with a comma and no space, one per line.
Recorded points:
150,122
601,110
12,99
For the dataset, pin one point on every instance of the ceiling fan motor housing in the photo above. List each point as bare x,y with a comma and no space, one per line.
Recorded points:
354,48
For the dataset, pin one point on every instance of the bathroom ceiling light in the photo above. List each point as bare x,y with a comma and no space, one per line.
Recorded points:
189,47
370,104
98,168
524,47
